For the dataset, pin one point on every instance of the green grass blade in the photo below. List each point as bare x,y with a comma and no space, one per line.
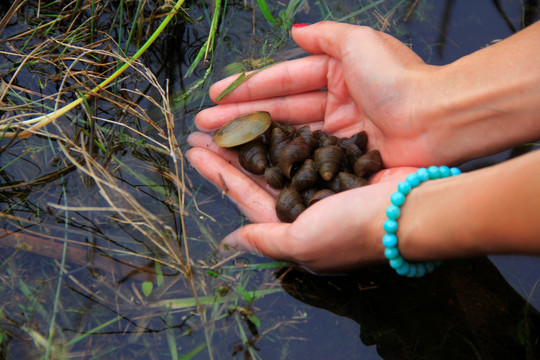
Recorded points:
193,352
209,44
360,11
266,11
176,304
56,303
239,80
171,341
94,330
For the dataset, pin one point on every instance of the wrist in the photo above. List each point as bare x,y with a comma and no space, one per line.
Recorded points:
487,211
429,226
393,213
485,102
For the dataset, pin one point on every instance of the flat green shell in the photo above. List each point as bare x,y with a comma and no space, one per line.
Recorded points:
242,129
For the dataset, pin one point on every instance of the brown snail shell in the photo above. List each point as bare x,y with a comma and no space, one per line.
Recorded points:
328,160
319,195
293,153
311,140
253,156
242,129
287,129
278,139
289,205
329,140
368,164
306,176
353,152
321,155
350,181
320,135
359,139
308,194
274,177
333,184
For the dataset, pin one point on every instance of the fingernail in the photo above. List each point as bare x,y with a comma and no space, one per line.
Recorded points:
298,26
234,241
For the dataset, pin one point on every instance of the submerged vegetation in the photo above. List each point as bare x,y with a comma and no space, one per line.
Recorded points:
108,240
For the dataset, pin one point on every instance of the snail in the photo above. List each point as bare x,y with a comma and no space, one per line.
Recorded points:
289,205
253,156
306,165
328,159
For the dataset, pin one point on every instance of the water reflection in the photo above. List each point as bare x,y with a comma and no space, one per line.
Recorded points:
529,12
465,310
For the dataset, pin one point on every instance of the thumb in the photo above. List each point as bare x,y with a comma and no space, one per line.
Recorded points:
325,37
268,239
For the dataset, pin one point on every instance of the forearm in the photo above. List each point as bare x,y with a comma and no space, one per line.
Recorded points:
488,211
488,101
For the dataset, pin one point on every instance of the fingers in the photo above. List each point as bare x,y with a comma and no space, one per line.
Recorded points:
264,239
286,78
324,37
355,45
256,203
198,139
295,109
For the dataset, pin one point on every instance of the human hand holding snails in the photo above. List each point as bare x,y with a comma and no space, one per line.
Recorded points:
314,240
416,115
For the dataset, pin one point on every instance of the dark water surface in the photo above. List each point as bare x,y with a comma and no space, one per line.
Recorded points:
97,307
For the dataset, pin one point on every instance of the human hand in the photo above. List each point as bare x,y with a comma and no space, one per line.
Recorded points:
370,81
338,233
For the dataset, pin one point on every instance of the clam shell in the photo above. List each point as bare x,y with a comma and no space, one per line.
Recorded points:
242,129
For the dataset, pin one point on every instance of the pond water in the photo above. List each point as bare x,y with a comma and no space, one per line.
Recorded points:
108,239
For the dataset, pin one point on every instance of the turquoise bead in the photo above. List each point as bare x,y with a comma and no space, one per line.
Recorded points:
389,240
396,262
412,271
413,180
420,269
455,171
434,173
390,226
445,171
397,198
422,174
393,212
404,188
391,253
403,269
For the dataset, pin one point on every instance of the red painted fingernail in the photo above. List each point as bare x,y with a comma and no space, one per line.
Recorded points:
298,26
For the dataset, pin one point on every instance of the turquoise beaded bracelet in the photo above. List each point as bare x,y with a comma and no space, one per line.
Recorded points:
390,240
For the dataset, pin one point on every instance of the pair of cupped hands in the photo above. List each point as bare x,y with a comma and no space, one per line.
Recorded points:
356,79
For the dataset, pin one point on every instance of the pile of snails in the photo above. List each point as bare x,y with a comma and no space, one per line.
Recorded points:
307,165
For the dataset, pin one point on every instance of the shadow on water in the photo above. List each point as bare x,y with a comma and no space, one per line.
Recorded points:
464,311
81,272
